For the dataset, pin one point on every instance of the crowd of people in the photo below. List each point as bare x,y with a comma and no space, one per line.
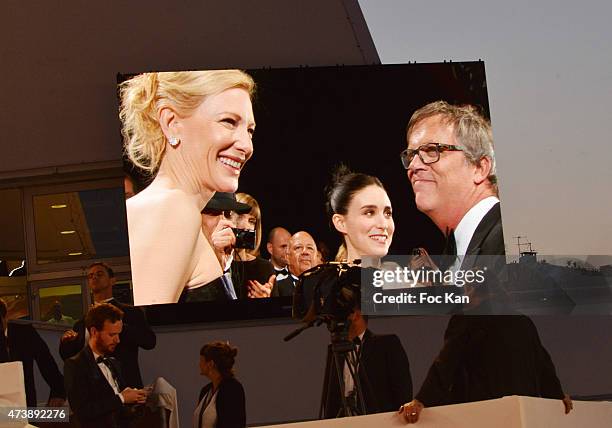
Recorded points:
194,130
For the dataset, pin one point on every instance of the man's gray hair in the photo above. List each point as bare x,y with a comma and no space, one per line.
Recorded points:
472,131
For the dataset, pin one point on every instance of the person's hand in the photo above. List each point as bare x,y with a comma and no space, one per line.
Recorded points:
223,239
411,411
422,260
131,395
567,402
56,402
257,290
68,336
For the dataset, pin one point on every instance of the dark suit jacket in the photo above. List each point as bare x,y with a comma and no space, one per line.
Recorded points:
488,238
284,287
26,345
91,397
486,357
257,269
384,362
231,404
489,356
136,333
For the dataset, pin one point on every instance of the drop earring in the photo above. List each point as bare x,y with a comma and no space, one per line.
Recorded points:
174,141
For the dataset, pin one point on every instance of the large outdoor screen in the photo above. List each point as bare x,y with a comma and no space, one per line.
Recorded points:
304,122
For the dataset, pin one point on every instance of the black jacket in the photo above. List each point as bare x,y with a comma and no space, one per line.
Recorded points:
489,356
91,397
384,362
26,345
231,404
136,333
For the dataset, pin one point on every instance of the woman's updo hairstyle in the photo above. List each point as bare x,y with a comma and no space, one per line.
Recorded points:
223,355
143,96
340,192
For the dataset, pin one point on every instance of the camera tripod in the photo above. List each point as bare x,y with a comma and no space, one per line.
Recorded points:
343,352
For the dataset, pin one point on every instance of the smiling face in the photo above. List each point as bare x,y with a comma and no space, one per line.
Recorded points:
368,224
301,253
216,138
446,187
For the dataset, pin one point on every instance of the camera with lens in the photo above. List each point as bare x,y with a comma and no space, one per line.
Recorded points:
245,238
328,293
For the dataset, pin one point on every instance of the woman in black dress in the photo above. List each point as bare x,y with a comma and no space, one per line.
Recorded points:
221,403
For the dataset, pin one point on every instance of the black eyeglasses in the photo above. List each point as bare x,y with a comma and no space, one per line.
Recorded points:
428,153
216,213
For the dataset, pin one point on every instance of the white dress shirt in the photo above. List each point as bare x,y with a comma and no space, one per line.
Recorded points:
209,416
108,375
349,385
467,226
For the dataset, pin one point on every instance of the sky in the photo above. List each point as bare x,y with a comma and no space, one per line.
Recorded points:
549,78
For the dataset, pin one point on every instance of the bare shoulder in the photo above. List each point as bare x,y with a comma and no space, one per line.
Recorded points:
163,207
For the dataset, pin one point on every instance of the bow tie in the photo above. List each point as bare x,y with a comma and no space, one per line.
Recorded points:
104,360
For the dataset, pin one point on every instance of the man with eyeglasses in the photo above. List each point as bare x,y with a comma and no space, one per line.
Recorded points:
136,331
451,165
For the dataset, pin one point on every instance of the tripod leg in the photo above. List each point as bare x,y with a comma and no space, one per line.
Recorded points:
327,380
339,359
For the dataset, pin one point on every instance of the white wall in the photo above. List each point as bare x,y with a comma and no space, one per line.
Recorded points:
283,380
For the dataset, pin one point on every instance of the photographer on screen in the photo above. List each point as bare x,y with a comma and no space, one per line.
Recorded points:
227,224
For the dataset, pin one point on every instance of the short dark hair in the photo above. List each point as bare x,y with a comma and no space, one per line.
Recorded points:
106,267
223,355
3,308
100,313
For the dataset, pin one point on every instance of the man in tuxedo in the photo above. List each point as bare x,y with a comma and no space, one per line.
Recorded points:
21,342
450,163
136,333
94,382
384,372
301,253
278,242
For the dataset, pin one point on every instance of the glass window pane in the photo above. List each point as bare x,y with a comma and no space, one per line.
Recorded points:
80,225
61,304
14,292
12,243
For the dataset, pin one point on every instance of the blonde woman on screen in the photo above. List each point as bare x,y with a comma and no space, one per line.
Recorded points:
193,131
